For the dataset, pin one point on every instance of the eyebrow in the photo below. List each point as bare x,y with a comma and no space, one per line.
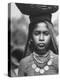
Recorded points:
40,31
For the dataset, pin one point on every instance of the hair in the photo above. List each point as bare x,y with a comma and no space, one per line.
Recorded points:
29,45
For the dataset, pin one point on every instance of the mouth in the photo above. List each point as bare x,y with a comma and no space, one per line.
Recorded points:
41,45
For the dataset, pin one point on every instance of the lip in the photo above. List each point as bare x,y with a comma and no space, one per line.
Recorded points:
41,44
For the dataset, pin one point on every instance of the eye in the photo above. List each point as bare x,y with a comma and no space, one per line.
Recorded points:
46,33
36,33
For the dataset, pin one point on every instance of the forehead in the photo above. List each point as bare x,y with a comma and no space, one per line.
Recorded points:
41,27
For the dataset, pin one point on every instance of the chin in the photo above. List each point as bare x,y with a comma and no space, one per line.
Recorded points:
42,50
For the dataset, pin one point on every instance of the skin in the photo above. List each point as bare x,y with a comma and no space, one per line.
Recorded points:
41,36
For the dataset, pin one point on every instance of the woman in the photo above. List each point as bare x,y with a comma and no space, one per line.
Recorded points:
41,50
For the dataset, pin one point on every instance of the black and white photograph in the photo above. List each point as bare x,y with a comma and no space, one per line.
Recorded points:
33,46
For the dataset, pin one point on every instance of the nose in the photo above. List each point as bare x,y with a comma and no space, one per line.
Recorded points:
41,37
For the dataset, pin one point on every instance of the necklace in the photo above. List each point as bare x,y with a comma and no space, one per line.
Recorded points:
41,59
45,68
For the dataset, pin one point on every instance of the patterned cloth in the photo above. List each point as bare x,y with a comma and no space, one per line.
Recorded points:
25,68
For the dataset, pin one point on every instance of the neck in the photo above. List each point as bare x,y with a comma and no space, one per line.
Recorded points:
39,54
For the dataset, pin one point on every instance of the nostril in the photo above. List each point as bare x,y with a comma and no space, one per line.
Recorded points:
41,39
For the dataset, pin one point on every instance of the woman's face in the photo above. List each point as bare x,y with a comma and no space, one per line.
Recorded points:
41,36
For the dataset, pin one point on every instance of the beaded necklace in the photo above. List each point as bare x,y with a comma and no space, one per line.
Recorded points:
45,68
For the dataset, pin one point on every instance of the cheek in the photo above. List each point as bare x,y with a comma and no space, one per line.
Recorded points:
47,39
36,39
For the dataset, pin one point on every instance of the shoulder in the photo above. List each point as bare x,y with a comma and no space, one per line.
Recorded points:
24,62
55,59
